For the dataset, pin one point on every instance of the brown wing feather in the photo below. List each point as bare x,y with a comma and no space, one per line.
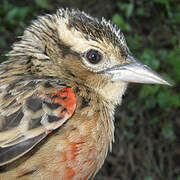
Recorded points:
11,153
29,110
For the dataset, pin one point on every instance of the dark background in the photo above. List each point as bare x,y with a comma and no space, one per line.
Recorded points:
147,123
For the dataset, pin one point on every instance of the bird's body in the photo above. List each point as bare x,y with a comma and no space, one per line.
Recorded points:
58,95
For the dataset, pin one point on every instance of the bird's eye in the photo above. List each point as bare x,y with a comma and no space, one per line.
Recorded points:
93,56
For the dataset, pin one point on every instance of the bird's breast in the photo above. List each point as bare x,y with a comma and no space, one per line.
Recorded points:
80,147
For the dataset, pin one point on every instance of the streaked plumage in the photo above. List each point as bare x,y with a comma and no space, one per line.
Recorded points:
58,93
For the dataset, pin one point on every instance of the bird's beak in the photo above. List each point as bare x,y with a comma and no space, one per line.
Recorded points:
135,71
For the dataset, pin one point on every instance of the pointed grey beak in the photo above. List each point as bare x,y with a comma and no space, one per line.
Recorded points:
135,72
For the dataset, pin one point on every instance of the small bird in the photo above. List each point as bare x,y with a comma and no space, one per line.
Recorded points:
58,93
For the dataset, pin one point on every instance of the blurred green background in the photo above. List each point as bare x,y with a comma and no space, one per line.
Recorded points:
147,123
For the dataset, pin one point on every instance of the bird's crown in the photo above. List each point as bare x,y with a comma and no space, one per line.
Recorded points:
67,27
94,28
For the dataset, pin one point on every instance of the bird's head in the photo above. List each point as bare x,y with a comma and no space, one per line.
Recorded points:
82,49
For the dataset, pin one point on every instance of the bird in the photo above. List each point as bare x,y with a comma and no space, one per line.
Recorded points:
58,92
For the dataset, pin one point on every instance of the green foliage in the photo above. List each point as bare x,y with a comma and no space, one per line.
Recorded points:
148,57
167,131
117,19
166,99
162,59
148,178
174,59
127,8
15,17
42,4
152,31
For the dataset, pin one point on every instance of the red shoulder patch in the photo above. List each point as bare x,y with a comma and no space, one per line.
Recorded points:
66,98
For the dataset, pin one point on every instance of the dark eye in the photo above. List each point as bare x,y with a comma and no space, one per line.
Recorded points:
93,56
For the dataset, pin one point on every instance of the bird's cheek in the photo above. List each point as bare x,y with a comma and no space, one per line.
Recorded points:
114,91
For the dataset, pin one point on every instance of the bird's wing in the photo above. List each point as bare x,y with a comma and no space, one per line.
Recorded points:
30,109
